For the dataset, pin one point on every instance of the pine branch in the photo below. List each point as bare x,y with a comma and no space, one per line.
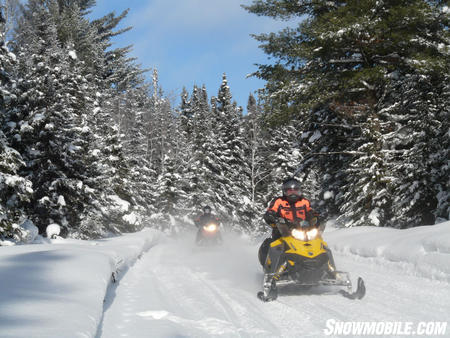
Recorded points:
359,152
349,126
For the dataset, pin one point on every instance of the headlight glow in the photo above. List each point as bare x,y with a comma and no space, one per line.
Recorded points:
312,234
303,235
210,227
299,234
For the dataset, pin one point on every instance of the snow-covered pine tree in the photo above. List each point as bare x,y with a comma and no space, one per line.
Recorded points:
255,141
414,118
117,69
197,141
282,157
441,167
134,128
201,142
15,190
83,5
163,135
171,200
159,118
184,153
229,183
52,130
366,179
332,70
185,114
119,87
118,201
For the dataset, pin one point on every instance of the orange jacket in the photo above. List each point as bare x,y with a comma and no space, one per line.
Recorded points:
282,208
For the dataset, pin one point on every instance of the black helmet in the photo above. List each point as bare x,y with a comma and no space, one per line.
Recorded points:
207,209
291,188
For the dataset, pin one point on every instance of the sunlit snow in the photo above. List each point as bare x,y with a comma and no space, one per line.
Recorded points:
167,287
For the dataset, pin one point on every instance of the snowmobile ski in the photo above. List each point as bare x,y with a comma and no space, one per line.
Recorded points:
270,292
358,294
273,295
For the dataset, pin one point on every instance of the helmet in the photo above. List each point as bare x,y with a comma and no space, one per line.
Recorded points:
291,188
207,209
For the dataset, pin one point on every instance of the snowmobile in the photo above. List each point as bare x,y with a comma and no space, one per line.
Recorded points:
209,235
302,258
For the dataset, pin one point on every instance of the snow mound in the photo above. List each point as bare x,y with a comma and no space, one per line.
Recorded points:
53,230
423,251
57,290
31,231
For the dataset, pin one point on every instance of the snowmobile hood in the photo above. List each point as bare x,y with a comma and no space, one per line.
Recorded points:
309,249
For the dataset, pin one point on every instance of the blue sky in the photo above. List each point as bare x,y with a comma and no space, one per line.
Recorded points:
194,42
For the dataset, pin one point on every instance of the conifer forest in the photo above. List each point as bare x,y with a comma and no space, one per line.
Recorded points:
355,105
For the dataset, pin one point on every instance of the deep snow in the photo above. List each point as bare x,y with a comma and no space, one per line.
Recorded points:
166,287
57,289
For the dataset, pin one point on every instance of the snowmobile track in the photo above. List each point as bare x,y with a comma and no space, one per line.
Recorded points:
177,291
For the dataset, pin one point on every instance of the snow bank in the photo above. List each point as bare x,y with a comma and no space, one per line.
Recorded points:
423,251
57,290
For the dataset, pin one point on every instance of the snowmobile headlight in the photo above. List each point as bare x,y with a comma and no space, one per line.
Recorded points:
210,227
299,234
312,234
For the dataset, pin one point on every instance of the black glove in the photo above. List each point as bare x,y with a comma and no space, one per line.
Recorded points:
270,217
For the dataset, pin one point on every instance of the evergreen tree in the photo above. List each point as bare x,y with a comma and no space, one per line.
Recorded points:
79,103
52,130
441,169
229,181
198,148
333,71
255,143
342,51
282,159
168,160
15,190
185,113
141,176
414,118
114,66
365,196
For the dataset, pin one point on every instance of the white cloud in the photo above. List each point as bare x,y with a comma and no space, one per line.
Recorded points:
188,16
162,24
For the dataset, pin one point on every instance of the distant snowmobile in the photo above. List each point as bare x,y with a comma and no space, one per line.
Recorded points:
209,235
301,257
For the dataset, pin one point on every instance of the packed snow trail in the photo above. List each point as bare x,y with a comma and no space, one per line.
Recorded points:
179,290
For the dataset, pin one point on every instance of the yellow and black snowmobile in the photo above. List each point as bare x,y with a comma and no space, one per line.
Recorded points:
301,257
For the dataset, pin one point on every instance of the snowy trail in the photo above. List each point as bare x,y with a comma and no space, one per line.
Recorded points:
178,290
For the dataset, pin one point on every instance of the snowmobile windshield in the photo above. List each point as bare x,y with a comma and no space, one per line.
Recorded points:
292,192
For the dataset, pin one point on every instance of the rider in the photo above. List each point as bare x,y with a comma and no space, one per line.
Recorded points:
204,219
292,206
